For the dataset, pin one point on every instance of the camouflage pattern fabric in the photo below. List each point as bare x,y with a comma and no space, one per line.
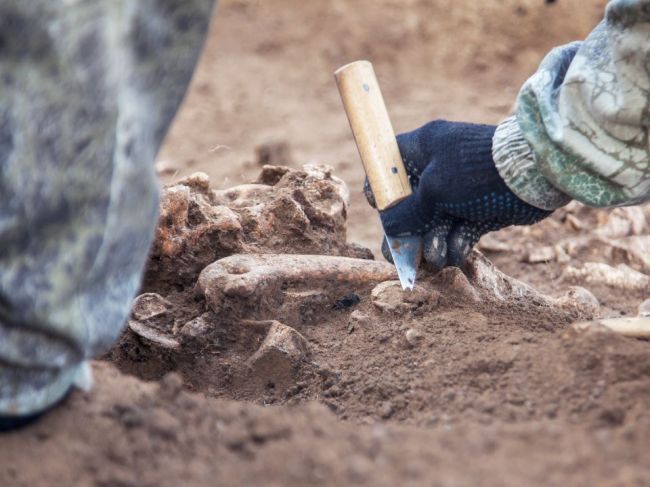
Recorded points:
582,121
87,91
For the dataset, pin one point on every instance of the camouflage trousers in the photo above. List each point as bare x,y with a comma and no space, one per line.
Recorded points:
88,89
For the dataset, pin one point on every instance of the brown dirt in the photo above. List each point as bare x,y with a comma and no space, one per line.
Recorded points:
458,387
149,434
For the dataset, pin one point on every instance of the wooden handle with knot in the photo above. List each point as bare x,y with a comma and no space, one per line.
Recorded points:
373,133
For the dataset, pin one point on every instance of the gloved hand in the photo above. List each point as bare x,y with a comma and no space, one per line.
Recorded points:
458,194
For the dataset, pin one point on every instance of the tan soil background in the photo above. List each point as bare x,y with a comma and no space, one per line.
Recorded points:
267,75
455,390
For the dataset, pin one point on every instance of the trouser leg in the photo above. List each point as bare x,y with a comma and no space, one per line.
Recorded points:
87,91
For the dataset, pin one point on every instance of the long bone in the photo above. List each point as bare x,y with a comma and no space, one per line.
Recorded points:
254,285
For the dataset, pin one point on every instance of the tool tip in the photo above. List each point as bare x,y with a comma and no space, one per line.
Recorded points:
408,284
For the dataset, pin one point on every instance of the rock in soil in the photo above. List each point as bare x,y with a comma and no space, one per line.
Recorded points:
540,255
633,251
621,222
413,336
359,318
582,300
279,357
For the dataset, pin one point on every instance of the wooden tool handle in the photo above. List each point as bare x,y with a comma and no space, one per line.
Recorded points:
373,133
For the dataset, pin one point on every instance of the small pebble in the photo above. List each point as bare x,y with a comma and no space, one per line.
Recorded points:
413,336
358,318
540,255
386,410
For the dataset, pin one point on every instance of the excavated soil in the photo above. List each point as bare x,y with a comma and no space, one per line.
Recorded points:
302,377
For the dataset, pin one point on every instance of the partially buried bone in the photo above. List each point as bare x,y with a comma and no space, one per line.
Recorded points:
153,336
256,285
621,276
633,251
637,327
152,321
482,282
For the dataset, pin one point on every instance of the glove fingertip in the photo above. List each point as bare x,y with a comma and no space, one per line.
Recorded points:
435,250
459,250
461,241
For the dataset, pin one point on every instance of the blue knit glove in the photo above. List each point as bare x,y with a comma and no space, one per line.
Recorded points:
458,194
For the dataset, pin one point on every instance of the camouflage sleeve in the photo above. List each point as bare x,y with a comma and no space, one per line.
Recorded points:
87,91
581,124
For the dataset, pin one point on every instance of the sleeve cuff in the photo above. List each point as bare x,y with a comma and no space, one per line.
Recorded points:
516,164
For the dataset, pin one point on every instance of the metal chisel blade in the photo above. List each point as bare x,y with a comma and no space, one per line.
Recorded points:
407,253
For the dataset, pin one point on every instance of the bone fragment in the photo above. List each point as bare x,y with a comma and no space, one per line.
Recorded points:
149,305
633,251
198,181
284,340
153,335
493,285
621,222
540,255
621,276
638,327
244,195
482,282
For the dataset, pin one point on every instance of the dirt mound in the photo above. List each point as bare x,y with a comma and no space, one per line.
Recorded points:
472,345
130,433
292,211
